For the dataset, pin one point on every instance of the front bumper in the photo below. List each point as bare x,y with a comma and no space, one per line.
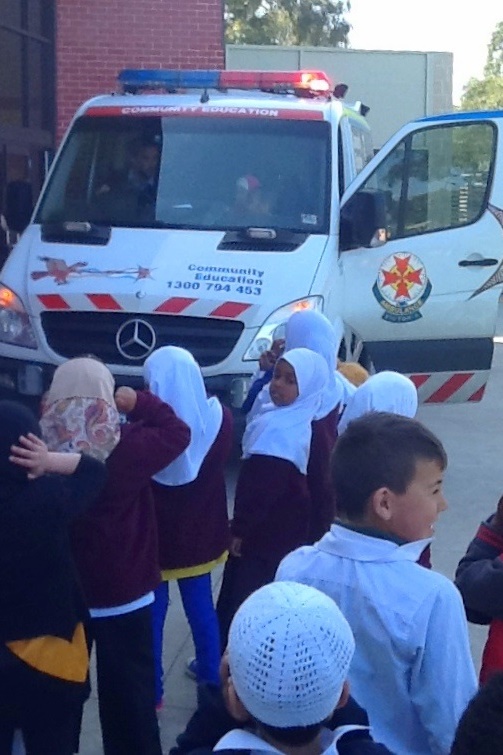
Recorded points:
34,378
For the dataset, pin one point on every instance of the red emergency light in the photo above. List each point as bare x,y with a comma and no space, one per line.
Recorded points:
316,82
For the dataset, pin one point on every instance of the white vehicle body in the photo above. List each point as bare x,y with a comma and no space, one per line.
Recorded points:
405,247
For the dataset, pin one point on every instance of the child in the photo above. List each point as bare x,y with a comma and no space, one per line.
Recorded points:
43,654
352,372
384,392
312,330
115,543
211,721
263,376
191,506
272,499
479,577
480,729
288,657
412,646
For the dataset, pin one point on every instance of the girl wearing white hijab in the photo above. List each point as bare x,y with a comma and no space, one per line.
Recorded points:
384,392
310,329
271,510
191,507
313,330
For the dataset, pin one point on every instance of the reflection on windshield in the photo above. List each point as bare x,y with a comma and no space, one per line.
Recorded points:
201,173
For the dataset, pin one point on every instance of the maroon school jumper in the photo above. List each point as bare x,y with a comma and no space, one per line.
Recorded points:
271,513
322,513
192,522
115,543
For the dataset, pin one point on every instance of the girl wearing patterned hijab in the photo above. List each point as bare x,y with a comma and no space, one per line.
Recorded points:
115,543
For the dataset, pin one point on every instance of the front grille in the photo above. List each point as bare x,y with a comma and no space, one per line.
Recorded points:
72,334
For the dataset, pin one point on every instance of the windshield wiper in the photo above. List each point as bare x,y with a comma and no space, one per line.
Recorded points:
76,232
256,238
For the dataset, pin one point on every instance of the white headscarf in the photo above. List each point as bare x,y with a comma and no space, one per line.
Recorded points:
174,376
285,431
347,388
312,330
383,392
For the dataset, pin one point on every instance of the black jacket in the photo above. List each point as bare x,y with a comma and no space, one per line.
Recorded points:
211,721
39,591
479,576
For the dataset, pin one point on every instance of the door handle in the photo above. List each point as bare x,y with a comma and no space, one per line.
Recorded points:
483,262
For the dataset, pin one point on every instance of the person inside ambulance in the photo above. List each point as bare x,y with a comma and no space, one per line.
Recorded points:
132,194
252,203
143,174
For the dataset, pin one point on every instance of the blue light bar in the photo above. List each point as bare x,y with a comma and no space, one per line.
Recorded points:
132,79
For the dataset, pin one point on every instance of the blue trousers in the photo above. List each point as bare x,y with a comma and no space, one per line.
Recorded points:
197,600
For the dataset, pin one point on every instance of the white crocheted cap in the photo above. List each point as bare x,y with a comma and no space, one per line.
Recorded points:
290,649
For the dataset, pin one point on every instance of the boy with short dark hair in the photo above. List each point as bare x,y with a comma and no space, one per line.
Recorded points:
288,657
412,669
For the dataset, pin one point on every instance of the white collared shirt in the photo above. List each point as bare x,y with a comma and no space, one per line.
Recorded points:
412,670
242,739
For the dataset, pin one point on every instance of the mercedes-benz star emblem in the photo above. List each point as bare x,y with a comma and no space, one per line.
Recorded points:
135,339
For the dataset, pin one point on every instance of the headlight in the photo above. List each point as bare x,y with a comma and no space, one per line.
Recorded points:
271,328
15,327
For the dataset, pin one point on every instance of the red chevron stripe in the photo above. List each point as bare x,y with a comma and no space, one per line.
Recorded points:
477,396
449,387
419,380
174,305
229,309
53,301
104,301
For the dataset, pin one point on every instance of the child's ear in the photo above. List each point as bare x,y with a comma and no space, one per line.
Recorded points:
234,704
344,695
381,504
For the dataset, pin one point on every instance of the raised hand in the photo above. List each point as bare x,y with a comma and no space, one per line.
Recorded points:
32,454
125,399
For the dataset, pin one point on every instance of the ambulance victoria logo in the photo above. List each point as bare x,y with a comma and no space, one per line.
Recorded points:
402,287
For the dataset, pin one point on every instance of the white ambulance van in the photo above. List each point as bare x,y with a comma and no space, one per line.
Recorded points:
202,208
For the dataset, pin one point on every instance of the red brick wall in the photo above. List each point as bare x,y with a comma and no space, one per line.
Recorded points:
97,38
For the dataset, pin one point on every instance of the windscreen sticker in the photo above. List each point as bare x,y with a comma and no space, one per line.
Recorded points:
246,281
215,111
61,272
402,287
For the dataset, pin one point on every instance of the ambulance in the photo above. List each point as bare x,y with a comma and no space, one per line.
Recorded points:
203,208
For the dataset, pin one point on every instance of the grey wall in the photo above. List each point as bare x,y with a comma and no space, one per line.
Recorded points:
397,86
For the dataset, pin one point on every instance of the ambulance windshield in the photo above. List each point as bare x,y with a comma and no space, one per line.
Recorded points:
215,173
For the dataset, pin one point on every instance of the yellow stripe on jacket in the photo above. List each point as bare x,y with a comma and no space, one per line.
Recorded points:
54,656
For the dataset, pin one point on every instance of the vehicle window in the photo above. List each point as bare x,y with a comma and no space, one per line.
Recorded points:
201,173
340,162
436,178
362,145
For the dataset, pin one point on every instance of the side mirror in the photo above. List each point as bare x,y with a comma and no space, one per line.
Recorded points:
363,221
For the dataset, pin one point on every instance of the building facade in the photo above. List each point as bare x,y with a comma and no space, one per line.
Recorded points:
54,54
398,86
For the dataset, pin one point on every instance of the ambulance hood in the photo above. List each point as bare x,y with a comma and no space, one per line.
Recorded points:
168,271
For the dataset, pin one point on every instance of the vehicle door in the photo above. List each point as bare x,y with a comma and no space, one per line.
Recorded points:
421,247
